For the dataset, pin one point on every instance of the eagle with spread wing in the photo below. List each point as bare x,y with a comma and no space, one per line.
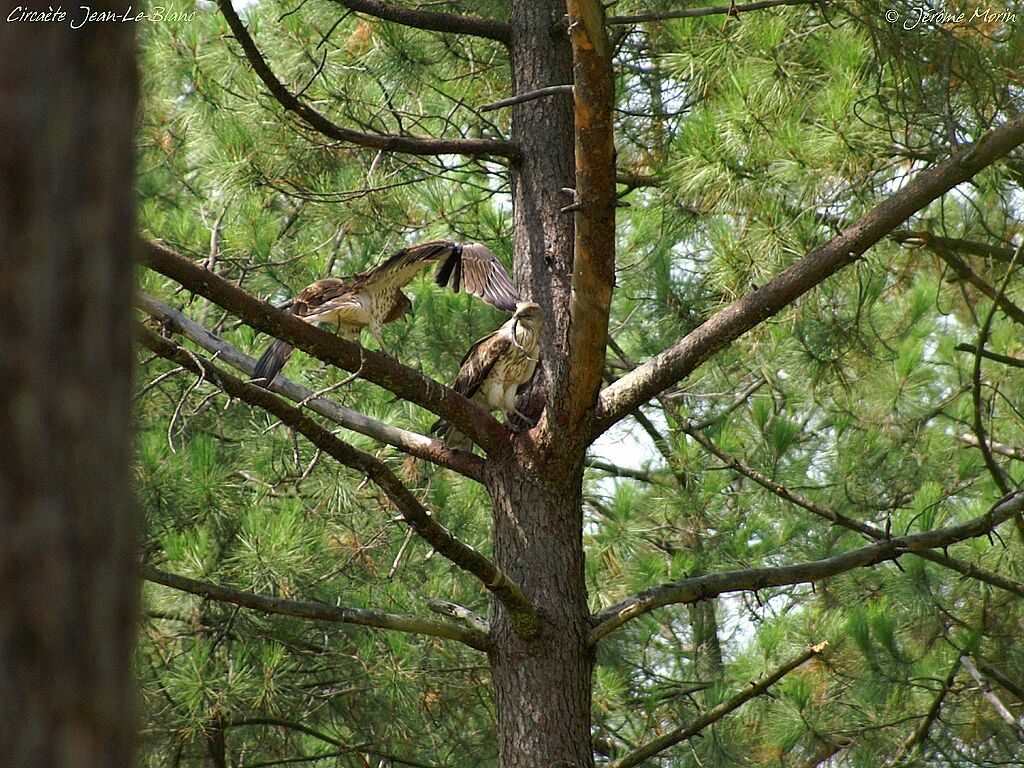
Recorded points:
496,367
375,297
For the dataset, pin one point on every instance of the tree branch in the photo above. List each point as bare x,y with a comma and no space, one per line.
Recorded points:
347,746
973,247
1000,677
870,531
1016,362
993,699
730,10
617,471
917,738
540,93
412,443
433,20
413,145
959,266
704,587
593,273
316,611
414,514
685,356
716,713
380,369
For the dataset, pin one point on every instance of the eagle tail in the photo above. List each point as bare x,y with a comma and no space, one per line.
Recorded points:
450,271
273,360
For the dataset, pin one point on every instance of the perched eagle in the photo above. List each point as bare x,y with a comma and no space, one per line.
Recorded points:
375,297
497,366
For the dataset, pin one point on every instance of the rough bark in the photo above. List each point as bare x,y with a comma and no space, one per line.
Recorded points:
67,522
540,57
542,686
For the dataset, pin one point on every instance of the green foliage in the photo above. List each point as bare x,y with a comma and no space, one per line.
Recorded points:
767,135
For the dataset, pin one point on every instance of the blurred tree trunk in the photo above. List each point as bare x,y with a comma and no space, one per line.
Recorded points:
67,520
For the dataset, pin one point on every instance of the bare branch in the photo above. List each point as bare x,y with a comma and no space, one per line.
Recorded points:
382,370
410,442
704,587
432,20
617,471
540,93
414,514
466,616
1016,362
316,611
732,9
413,145
685,356
716,713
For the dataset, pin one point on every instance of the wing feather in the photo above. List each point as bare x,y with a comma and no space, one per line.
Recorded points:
319,293
402,266
477,270
479,362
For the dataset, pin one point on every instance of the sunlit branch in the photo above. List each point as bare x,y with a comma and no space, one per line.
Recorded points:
733,9
409,144
316,611
593,266
414,514
433,21
716,713
380,369
680,360
412,443
711,585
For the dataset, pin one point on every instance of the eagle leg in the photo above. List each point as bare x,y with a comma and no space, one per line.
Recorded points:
375,330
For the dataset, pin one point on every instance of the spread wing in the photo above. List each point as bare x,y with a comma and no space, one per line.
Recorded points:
475,269
401,267
480,361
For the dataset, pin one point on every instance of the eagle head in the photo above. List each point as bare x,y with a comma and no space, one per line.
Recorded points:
530,312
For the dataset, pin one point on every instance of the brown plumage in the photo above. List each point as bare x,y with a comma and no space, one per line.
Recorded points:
373,298
497,366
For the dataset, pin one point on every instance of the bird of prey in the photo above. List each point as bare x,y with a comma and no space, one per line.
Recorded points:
373,298
497,366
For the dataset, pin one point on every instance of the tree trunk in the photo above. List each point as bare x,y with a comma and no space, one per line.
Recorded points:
543,686
67,522
543,129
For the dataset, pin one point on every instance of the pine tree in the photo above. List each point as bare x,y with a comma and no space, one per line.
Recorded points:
764,515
